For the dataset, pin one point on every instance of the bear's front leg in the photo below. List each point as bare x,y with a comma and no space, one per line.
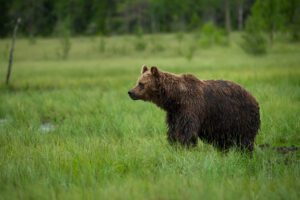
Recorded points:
171,134
182,129
187,133
172,139
188,140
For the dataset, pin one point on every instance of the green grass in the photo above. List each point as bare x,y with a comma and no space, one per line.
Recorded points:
106,146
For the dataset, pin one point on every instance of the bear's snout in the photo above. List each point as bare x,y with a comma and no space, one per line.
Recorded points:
132,95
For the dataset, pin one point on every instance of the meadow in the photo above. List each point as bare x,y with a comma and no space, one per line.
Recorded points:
68,129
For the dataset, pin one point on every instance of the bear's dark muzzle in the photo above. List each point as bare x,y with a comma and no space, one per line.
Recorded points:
132,95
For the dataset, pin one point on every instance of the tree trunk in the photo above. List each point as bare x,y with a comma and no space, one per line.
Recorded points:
153,23
271,35
11,53
240,15
227,16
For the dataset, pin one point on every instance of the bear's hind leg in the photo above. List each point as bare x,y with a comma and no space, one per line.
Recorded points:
247,146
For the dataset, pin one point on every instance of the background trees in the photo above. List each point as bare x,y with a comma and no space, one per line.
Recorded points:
120,16
260,20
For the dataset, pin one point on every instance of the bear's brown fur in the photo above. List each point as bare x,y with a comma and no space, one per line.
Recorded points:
219,112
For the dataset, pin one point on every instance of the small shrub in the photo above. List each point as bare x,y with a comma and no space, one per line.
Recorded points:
65,46
156,45
190,52
179,37
139,33
140,44
31,40
254,42
91,29
295,32
195,21
64,34
212,35
5,52
102,44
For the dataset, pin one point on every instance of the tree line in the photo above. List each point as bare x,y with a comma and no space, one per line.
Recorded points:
108,17
83,17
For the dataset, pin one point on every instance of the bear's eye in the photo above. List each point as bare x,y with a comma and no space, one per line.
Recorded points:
141,85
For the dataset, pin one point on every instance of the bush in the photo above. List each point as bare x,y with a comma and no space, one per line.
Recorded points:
159,47
210,35
139,44
102,44
64,34
65,46
5,51
190,52
156,44
31,39
179,37
254,42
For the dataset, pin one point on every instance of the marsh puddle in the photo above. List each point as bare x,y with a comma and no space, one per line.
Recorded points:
47,127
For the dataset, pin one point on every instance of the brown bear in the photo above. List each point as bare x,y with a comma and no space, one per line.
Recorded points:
219,112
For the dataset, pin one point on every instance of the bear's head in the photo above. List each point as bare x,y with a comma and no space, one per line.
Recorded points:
147,85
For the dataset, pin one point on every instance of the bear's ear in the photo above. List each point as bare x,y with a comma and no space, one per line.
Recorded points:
144,69
154,71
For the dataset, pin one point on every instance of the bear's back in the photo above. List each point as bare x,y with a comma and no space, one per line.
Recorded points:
231,112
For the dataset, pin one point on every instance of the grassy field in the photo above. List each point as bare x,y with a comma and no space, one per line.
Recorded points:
68,129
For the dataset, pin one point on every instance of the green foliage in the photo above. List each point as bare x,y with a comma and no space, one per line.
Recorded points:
32,40
5,27
139,32
65,47
195,21
102,44
91,29
179,37
110,16
63,33
268,16
139,43
190,52
5,51
254,41
157,46
211,35
292,14
103,145
117,17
